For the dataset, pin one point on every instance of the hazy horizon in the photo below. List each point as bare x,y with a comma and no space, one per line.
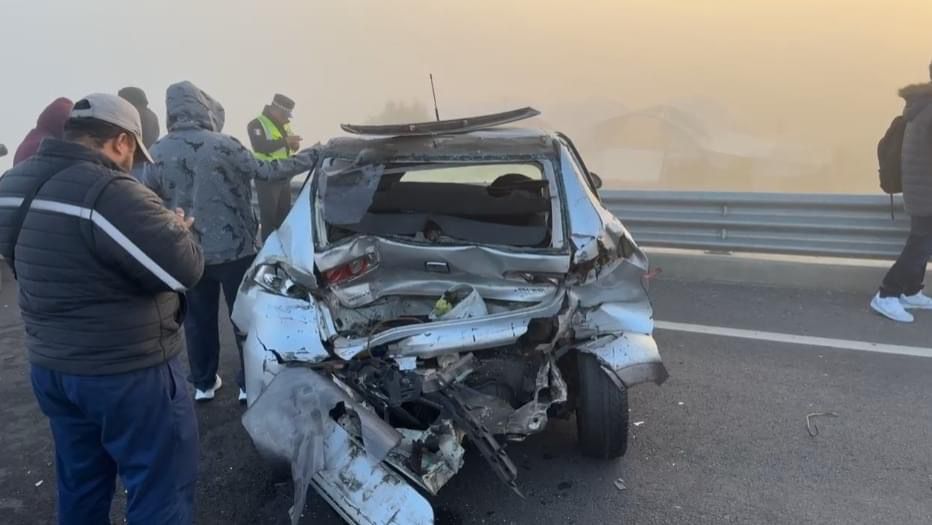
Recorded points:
824,75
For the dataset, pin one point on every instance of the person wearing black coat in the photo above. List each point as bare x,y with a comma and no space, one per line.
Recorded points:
150,121
901,290
102,267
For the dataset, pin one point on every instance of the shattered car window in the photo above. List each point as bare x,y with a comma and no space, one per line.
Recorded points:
349,193
490,203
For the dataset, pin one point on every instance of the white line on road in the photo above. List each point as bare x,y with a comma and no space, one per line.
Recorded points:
804,340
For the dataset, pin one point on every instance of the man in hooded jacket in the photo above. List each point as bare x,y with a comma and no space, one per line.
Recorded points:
209,175
901,289
51,123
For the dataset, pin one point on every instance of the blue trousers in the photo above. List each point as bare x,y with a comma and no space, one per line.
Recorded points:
140,425
201,328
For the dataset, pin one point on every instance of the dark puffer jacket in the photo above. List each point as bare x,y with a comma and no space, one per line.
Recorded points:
100,264
917,150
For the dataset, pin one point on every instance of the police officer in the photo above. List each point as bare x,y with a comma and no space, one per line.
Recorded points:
101,266
272,139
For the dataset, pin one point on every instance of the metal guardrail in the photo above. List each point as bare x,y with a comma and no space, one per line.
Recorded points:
820,224
801,224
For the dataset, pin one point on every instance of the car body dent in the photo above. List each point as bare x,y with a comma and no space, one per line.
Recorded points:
406,282
292,422
439,337
290,328
294,236
478,260
629,358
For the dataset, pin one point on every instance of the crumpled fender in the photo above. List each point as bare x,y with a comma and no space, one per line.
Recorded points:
630,358
291,328
291,422
278,330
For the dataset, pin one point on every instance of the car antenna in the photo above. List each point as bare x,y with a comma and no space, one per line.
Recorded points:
434,92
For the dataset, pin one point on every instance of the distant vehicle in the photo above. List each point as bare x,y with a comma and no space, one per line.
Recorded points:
3,150
434,282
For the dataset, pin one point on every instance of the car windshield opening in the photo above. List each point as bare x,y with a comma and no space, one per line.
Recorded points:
505,203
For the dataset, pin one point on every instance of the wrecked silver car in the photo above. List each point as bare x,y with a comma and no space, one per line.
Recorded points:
436,283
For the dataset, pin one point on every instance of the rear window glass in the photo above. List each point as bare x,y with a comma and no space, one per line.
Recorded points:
499,203
481,174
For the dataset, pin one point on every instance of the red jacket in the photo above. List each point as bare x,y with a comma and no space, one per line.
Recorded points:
51,123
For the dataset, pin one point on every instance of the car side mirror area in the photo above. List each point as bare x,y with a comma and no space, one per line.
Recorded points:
596,180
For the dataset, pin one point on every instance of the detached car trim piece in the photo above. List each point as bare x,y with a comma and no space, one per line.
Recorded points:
441,127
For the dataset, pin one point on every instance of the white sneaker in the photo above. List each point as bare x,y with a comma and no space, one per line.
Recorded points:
891,308
207,395
920,301
242,395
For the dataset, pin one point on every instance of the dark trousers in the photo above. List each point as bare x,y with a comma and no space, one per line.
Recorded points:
201,323
908,272
274,203
139,424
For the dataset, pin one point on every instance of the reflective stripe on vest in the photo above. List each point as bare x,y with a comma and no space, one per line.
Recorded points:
273,133
107,227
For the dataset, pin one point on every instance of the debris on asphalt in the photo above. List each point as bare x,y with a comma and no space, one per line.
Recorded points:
620,484
638,423
653,274
810,423
39,483
680,403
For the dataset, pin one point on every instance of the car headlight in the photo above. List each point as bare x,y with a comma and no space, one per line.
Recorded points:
276,279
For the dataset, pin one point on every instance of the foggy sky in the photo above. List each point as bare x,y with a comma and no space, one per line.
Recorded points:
821,71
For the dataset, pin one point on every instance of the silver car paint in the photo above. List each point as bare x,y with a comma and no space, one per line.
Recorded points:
602,298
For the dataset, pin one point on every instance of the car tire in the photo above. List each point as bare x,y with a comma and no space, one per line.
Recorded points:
601,412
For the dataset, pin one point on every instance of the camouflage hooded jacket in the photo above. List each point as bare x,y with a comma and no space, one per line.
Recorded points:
209,174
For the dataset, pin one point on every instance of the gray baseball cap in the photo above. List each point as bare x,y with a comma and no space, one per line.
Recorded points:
116,111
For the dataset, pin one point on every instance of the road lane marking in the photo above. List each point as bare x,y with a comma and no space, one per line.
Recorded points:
793,339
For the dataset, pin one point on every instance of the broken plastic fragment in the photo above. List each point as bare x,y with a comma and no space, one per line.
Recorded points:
620,484
459,302
638,423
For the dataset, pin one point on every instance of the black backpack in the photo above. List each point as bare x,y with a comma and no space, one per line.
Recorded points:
890,159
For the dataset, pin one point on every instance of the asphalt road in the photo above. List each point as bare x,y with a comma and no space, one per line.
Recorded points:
723,441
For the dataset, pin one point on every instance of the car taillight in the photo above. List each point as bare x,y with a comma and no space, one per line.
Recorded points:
351,270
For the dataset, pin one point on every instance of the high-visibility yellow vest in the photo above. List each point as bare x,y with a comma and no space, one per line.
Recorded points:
273,133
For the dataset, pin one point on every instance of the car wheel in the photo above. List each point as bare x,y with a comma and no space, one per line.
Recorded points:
601,412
